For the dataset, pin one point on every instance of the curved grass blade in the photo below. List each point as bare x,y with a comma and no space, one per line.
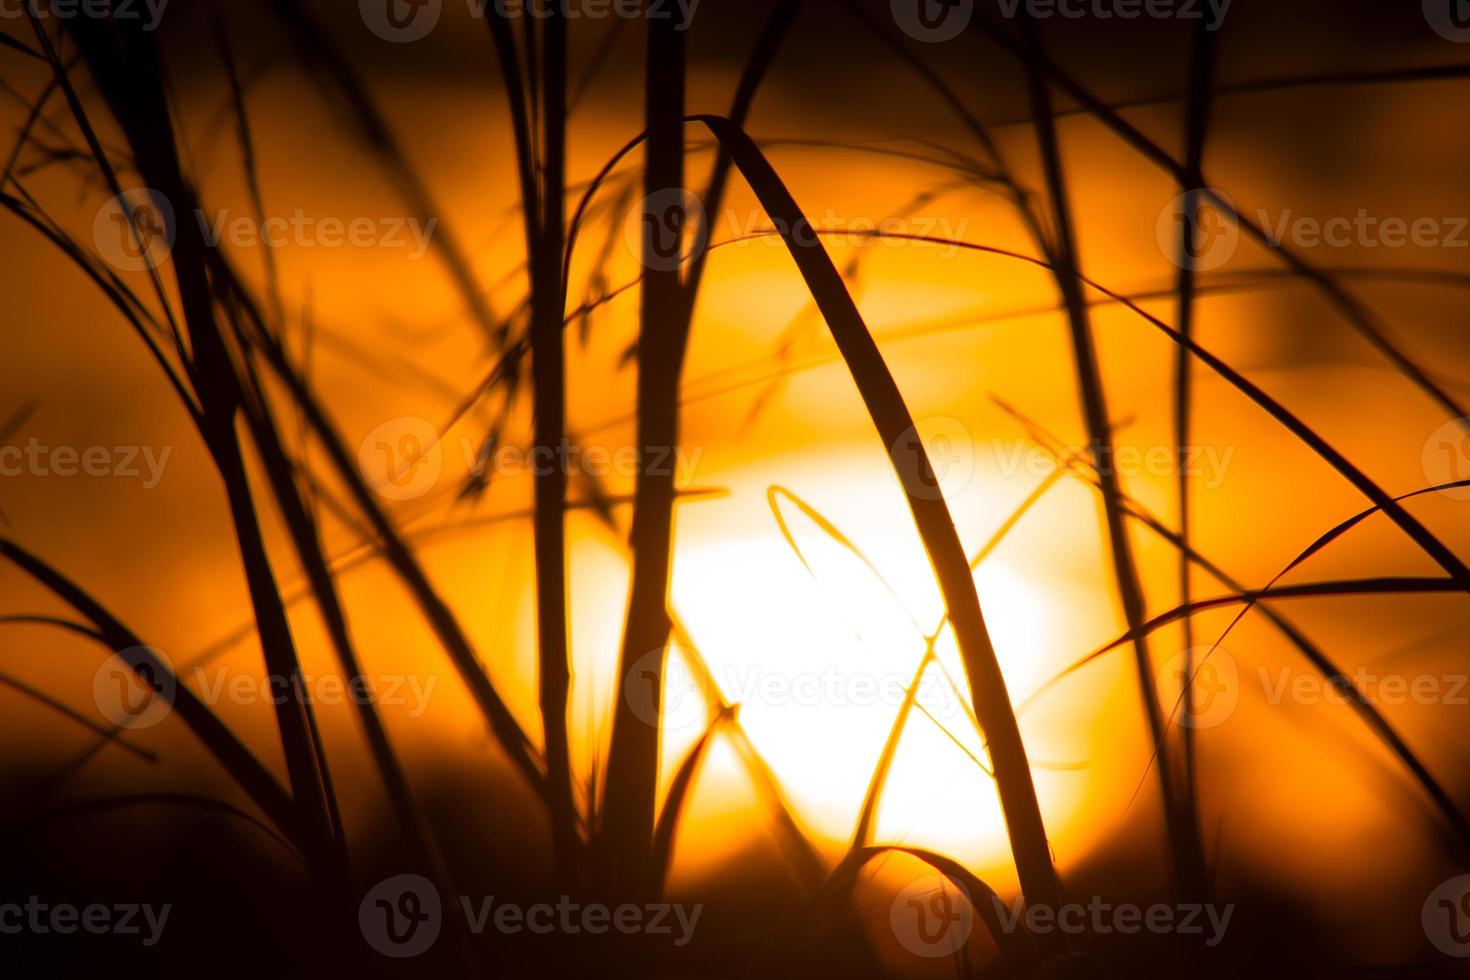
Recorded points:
803,856
1353,311
1412,528
1376,722
673,808
867,815
192,801
319,51
1018,950
1182,829
1386,585
244,768
895,426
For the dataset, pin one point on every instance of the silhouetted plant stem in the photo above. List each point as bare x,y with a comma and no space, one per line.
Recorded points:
543,215
307,541
264,790
124,62
862,835
769,43
1197,117
895,425
1185,848
317,49
1349,307
548,372
633,756
1378,723
502,723
287,492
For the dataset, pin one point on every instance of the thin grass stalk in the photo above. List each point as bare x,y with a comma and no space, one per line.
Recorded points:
1412,528
767,46
666,828
662,370
862,834
542,208
254,779
60,708
125,64
504,728
895,425
249,165
1349,307
191,801
1184,844
633,755
307,541
1384,585
548,371
320,52
1059,261
1072,465
1197,118
803,855
1018,955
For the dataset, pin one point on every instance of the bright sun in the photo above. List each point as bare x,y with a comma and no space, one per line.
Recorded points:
817,647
